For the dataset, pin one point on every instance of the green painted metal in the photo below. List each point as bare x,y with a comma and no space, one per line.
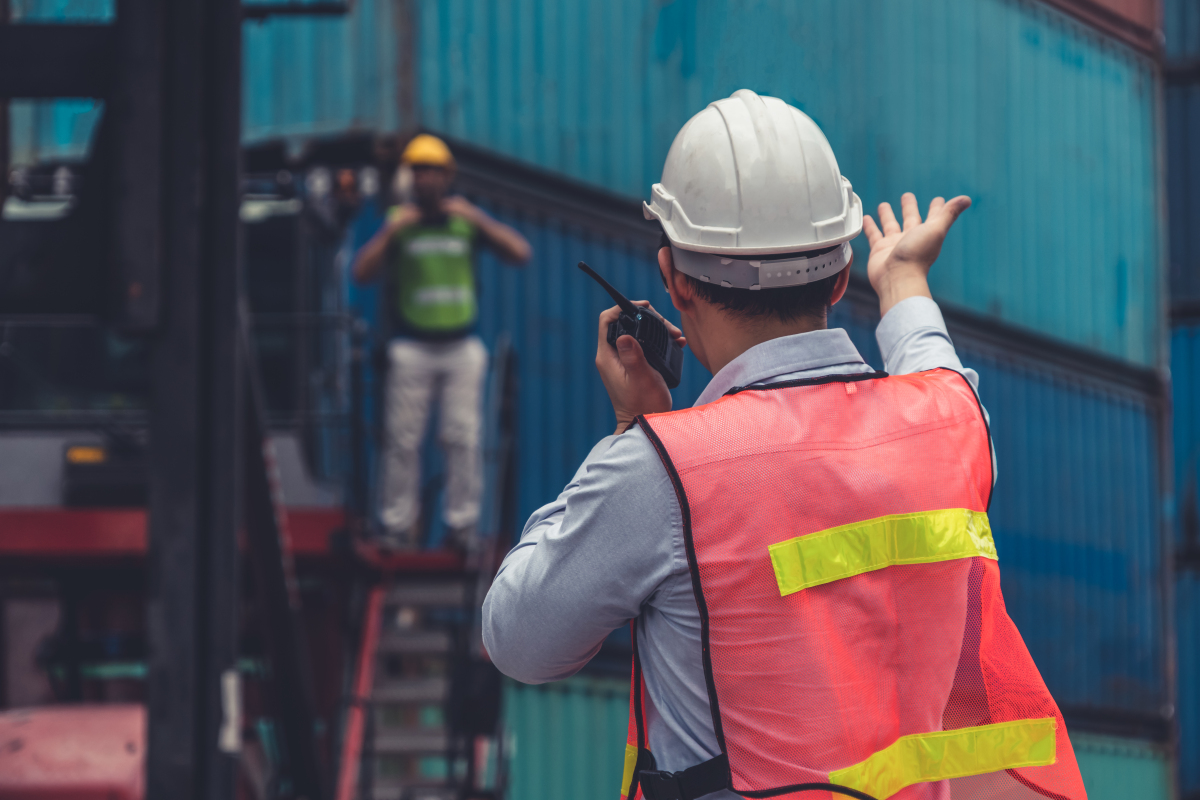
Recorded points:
566,739
1048,125
1123,769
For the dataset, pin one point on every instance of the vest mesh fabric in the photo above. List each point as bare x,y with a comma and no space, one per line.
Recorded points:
824,678
433,278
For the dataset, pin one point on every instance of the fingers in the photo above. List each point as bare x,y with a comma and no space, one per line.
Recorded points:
935,205
607,317
957,205
951,210
637,369
888,219
910,210
872,230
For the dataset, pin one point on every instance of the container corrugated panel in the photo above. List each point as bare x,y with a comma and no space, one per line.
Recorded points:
1049,125
1181,27
1187,638
1123,769
566,739
1185,385
1077,526
1075,512
316,76
1183,178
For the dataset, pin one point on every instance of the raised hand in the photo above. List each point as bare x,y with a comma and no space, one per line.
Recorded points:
901,256
460,206
401,217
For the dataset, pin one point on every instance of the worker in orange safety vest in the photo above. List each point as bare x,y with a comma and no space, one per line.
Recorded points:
804,555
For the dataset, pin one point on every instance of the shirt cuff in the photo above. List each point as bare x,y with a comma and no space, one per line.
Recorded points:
911,314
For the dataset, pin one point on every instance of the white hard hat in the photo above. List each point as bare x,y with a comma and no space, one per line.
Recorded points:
750,189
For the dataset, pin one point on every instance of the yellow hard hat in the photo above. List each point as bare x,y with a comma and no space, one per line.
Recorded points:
429,151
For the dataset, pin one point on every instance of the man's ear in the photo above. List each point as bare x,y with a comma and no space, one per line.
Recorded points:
676,282
843,281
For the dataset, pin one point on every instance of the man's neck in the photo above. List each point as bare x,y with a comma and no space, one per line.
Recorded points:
727,337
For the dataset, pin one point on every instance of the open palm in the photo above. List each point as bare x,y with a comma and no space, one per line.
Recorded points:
913,248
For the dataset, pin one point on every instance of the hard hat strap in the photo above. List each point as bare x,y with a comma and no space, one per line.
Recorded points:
762,273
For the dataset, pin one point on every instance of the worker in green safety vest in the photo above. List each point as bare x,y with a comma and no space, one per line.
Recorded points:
426,253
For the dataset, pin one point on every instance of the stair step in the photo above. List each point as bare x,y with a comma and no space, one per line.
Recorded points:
401,642
407,791
411,741
428,593
412,690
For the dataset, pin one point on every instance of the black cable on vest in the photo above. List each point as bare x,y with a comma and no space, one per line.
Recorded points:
811,787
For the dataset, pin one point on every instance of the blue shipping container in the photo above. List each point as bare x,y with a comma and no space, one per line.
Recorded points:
1048,125
1181,27
1185,375
1183,178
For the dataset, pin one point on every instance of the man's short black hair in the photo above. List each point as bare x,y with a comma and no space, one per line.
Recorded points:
787,304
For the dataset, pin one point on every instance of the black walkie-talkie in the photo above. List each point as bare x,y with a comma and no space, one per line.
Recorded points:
662,351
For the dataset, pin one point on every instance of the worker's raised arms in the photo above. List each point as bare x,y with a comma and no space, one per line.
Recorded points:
901,256
504,239
370,258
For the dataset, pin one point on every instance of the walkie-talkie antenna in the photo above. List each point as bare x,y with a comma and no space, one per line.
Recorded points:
623,301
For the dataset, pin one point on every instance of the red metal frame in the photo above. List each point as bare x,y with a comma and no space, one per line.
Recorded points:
121,532
364,679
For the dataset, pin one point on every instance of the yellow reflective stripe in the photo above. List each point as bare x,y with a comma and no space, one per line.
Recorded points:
849,550
630,763
924,757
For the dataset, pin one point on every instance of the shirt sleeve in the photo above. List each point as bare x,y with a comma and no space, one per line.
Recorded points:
912,337
586,563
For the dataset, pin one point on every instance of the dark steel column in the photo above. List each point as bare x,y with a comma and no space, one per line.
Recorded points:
195,438
225,387
4,132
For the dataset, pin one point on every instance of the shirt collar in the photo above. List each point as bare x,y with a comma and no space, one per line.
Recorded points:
815,352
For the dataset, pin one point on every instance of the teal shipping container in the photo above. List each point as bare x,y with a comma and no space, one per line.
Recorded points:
567,739
1049,125
319,76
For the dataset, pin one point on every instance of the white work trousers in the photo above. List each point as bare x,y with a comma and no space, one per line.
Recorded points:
421,373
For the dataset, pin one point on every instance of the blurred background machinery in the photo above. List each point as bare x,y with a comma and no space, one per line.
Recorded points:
1073,287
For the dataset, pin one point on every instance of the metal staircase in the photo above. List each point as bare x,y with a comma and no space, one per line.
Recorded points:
423,625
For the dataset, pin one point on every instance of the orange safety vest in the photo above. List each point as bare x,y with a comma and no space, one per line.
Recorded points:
855,641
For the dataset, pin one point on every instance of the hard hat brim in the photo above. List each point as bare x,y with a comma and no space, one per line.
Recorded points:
854,228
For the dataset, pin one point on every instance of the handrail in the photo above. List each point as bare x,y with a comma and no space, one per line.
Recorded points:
364,678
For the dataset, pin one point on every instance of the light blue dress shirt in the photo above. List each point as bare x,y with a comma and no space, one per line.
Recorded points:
610,547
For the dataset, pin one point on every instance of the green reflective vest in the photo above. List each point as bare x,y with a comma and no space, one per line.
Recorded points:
434,277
